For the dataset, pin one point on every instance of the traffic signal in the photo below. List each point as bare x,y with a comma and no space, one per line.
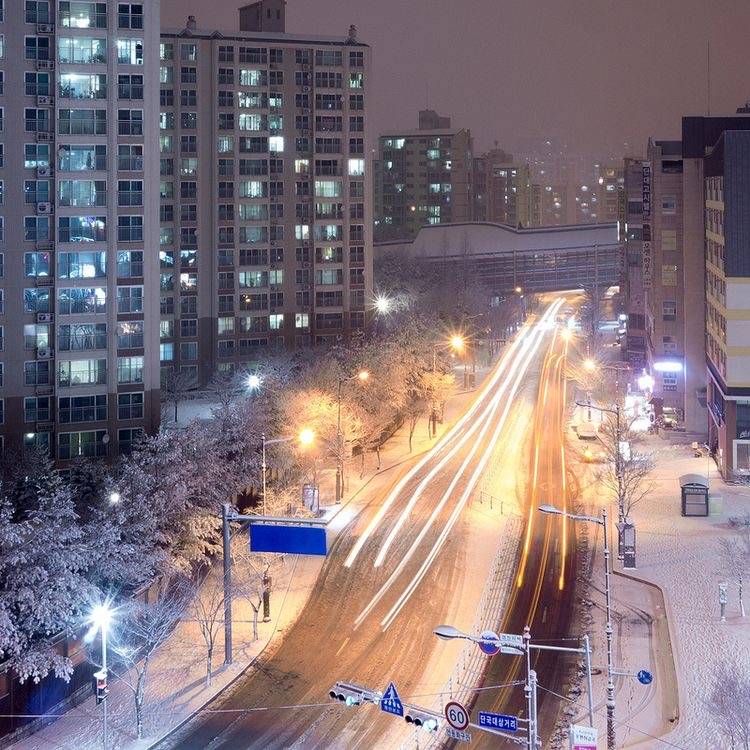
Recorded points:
100,686
351,694
421,719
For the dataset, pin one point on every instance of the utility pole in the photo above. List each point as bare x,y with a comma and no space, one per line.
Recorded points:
611,733
227,569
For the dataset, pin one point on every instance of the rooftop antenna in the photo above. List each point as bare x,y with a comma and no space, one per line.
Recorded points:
708,77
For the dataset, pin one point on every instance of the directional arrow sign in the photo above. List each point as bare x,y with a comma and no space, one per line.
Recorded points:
390,702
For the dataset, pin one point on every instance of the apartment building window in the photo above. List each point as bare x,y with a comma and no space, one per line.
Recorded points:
129,299
188,120
82,408
189,144
130,192
129,158
166,51
668,204
82,229
356,59
253,55
357,146
82,15
37,48
130,51
356,102
130,86
669,275
226,348
225,98
129,264
276,78
189,351
37,11
130,334
130,228
36,228
75,158
130,16
276,55
36,300
669,240
225,326
128,438
88,444
37,120
37,264
226,53
82,301
328,57
188,98
130,369
189,305
669,311
36,373
34,191
356,255
225,78
36,84
357,124
78,86
130,121
188,329
37,441
36,409
81,337
189,52
80,192
356,80
81,265
166,120
166,98
302,56
82,122
130,406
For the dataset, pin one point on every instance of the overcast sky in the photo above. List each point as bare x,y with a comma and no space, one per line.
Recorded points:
586,71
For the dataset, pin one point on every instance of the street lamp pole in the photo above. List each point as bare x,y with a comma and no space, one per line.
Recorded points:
604,522
263,469
339,447
104,669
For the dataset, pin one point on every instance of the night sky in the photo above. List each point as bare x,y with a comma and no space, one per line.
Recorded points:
594,73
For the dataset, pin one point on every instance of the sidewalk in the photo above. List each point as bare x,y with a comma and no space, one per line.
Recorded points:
176,686
666,612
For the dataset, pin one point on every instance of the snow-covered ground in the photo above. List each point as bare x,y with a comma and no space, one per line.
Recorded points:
678,572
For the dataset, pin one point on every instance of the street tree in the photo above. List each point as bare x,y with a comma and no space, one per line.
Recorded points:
729,704
142,628
734,552
176,384
207,610
253,581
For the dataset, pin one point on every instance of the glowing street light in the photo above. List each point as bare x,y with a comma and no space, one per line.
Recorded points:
518,290
457,343
589,365
646,382
114,498
306,436
100,619
383,305
253,382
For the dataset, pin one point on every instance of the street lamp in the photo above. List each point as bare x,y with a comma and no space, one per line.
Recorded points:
363,376
305,437
552,510
114,498
100,618
253,382
383,305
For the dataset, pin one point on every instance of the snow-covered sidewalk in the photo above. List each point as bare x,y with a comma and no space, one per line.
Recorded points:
176,686
679,564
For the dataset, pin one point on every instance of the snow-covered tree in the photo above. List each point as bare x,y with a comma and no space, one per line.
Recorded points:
735,555
141,628
729,704
207,610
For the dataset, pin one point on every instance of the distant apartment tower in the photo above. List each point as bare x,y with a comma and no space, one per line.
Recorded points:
79,367
727,237
609,193
503,192
266,207
425,177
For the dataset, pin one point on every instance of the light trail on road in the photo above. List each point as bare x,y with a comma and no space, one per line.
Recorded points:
444,442
518,370
529,348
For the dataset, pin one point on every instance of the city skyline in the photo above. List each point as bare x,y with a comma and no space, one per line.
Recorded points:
634,89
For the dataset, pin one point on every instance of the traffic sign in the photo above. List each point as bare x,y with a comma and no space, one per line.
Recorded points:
498,721
582,738
456,715
456,734
510,643
489,643
390,702
645,677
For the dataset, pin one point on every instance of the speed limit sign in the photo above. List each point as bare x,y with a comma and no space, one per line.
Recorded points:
456,715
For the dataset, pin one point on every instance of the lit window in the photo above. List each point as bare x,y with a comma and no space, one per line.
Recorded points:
276,144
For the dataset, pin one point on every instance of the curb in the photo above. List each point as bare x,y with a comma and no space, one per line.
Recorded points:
669,616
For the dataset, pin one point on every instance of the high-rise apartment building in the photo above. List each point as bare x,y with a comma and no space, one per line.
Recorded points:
79,367
425,177
266,225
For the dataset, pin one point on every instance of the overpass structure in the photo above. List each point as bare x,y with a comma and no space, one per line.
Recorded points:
541,259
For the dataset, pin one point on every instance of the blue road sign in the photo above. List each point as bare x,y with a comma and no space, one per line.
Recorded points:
645,677
498,721
297,540
489,648
390,702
